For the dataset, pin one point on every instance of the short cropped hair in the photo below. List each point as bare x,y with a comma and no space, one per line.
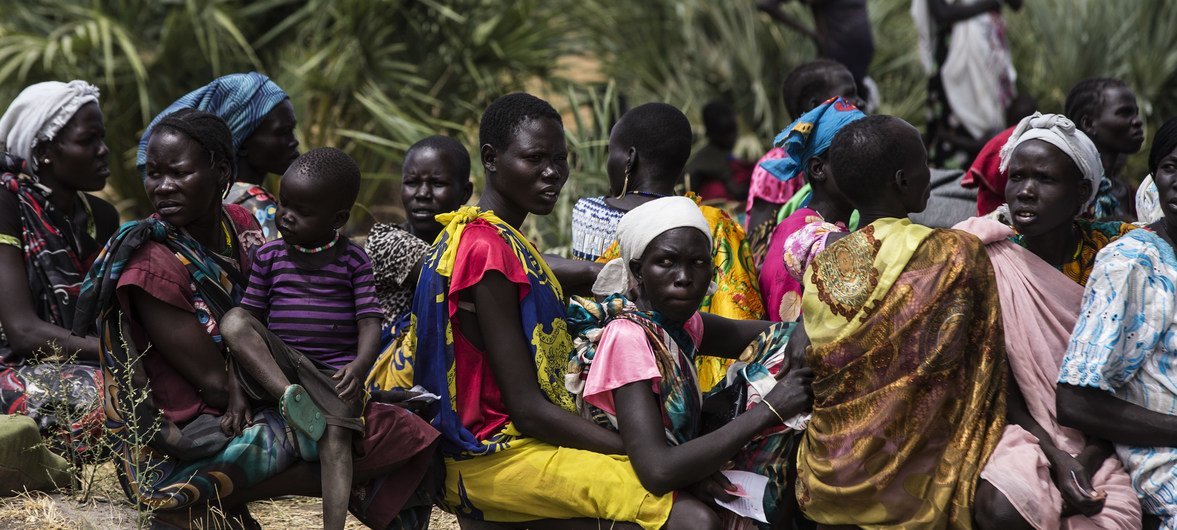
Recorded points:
450,149
661,134
505,115
333,170
864,156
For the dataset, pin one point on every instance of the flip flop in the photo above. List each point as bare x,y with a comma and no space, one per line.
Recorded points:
301,412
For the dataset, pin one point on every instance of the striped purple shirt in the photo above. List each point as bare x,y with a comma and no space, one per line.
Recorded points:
314,310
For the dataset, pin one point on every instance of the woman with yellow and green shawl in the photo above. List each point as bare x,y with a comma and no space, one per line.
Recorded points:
488,327
906,348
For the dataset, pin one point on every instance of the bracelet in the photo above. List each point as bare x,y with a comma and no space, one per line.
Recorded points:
773,409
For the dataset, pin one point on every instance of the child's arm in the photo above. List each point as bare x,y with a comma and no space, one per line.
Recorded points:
496,301
351,377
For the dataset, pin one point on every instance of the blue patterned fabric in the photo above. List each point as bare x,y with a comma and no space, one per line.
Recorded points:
242,100
1124,343
809,136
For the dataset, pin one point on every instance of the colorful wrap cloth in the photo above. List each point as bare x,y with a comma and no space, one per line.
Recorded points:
430,331
809,136
909,378
677,388
242,100
1039,307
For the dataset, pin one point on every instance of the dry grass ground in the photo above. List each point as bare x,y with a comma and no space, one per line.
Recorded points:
108,509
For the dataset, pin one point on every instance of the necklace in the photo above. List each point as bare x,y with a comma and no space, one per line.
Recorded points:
317,249
646,194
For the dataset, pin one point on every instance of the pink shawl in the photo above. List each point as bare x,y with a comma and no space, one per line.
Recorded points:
1039,307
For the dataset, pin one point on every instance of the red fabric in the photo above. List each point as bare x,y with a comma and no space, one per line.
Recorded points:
984,175
480,402
397,441
156,270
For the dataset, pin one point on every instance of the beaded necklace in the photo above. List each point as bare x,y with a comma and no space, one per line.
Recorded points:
317,249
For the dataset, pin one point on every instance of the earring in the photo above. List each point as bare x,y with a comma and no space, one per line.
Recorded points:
624,185
45,161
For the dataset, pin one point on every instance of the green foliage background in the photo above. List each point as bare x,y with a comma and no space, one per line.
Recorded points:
372,76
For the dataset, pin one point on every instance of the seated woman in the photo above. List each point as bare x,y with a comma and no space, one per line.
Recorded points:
647,150
51,230
492,341
187,436
630,352
1117,380
807,142
1043,209
906,348
806,87
1105,109
435,179
262,121
1041,474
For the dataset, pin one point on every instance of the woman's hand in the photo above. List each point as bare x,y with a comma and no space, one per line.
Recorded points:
1074,482
793,393
237,415
716,487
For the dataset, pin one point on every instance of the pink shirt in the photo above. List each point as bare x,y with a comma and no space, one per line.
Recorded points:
624,356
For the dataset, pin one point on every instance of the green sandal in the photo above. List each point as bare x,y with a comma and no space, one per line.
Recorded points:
302,413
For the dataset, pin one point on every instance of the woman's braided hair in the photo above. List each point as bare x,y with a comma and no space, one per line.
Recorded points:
209,131
1086,97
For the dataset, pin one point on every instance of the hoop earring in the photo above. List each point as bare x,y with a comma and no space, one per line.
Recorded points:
624,185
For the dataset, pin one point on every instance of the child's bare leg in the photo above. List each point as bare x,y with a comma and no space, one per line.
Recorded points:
242,334
335,461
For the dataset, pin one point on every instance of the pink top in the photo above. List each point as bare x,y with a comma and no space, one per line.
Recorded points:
766,187
624,356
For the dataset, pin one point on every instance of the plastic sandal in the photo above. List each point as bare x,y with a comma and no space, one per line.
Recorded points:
301,412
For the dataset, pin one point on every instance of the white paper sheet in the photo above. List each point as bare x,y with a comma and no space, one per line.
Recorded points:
750,502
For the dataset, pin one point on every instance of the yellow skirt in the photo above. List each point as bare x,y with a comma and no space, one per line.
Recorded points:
532,480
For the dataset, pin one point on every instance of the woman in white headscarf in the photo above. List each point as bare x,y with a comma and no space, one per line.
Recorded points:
1054,171
51,229
1041,470
634,370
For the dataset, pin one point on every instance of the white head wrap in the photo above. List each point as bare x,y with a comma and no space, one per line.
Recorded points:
638,228
39,112
1059,131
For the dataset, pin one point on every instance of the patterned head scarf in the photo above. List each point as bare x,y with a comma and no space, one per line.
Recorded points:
39,113
1061,132
809,136
638,228
242,100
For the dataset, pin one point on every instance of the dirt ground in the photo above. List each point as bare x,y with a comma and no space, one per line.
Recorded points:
107,508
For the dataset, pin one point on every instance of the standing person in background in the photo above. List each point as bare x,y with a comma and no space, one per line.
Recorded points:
716,174
841,32
1106,110
971,75
261,118
806,87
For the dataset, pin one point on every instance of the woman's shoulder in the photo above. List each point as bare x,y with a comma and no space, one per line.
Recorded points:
1141,246
388,238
